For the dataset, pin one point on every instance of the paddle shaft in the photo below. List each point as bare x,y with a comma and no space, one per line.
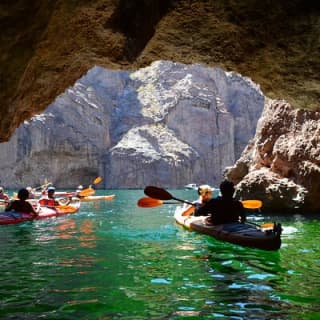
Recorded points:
183,201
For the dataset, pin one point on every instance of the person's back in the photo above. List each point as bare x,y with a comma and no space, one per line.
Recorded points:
226,209
21,205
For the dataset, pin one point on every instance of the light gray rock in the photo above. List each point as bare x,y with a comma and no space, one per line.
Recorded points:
168,124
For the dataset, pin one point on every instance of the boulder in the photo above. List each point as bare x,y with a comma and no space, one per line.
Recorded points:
281,165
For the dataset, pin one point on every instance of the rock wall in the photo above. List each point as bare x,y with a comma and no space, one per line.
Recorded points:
168,124
281,165
47,45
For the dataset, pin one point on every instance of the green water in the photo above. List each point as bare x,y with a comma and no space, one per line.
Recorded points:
113,260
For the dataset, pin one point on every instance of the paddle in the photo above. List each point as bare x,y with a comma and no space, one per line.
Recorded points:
162,194
90,191
252,204
147,202
42,186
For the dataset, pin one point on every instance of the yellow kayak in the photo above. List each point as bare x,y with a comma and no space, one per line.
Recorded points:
95,198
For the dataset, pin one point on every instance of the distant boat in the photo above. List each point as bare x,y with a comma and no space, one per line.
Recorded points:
192,186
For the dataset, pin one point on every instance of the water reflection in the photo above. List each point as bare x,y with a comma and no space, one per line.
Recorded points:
116,261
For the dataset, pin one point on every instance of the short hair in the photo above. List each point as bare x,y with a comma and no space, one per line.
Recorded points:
227,188
23,194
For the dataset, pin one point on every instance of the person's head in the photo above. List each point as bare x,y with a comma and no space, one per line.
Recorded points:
227,188
29,189
23,194
51,191
1,189
205,191
80,187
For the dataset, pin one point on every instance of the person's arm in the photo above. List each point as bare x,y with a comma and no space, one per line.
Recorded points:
189,211
31,209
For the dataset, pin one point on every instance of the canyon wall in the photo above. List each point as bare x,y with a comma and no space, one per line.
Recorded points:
168,124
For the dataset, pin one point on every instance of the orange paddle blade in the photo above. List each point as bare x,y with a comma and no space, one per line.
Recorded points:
97,180
267,226
252,204
87,192
67,209
147,202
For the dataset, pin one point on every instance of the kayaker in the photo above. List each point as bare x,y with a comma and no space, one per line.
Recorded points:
21,205
202,206
79,189
49,200
3,196
225,208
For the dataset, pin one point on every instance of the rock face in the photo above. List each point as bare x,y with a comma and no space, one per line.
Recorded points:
47,45
281,165
168,124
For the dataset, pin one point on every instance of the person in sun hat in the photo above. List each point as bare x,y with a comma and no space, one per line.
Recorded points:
202,206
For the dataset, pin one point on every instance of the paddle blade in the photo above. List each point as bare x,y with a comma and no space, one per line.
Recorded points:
157,193
97,180
87,192
67,209
252,204
267,226
147,202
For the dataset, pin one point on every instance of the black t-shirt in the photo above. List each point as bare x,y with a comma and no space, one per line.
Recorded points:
205,210
222,210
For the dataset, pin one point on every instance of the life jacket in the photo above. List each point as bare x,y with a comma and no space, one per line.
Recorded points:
48,202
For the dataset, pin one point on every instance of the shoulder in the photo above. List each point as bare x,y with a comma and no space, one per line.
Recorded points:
215,200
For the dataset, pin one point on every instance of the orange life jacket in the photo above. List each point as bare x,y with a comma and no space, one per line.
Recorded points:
48,202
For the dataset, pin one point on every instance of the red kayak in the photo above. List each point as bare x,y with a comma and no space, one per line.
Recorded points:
12,217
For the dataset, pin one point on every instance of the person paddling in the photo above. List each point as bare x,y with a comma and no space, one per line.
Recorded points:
21,205
49,200
202,206
225,208
221,210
